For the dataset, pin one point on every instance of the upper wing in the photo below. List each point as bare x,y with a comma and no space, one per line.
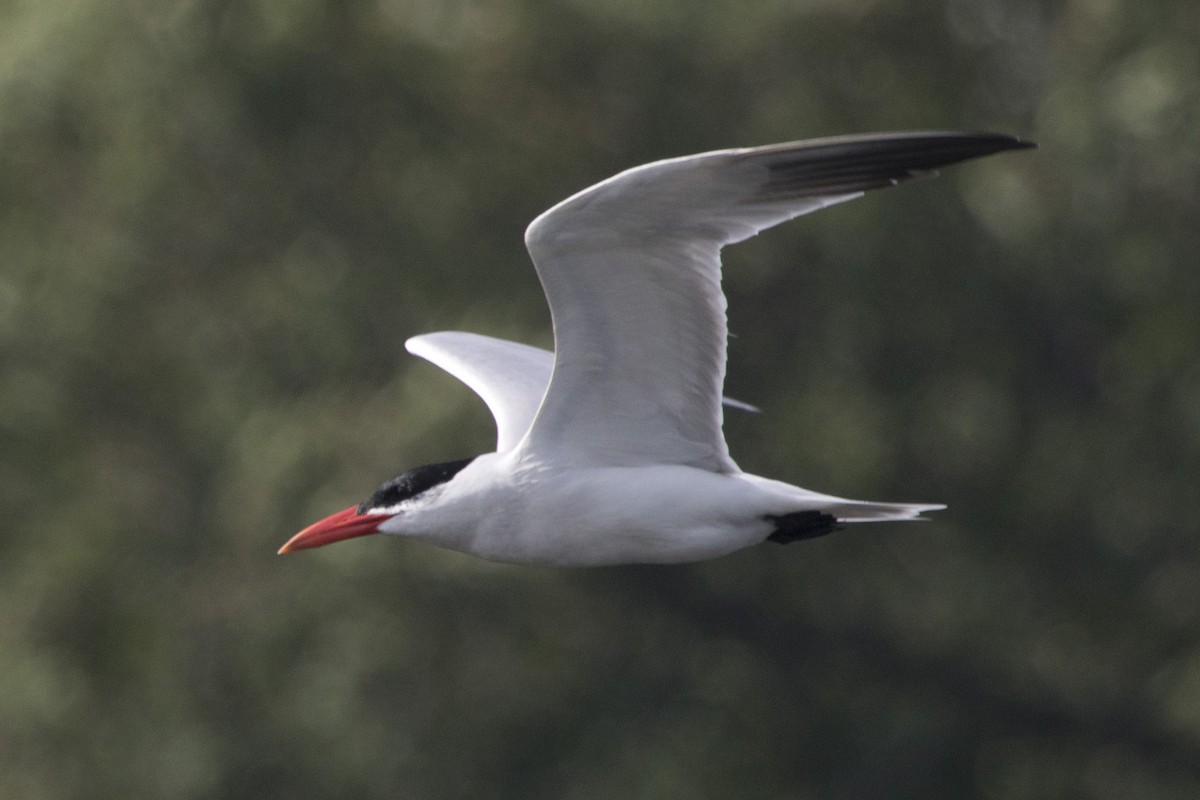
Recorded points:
631,268
510,377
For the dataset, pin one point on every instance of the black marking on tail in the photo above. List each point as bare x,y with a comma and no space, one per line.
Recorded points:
801,525
409,484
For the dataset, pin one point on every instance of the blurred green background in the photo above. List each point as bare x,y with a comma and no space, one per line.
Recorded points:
220,220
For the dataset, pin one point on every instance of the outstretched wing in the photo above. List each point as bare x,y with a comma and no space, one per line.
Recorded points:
631,268
509,377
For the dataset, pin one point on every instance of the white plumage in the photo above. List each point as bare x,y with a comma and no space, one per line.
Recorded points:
610,450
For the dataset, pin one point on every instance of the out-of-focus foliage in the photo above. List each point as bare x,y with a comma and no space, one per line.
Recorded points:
219,221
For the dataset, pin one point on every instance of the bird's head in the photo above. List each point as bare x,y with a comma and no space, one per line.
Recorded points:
386,503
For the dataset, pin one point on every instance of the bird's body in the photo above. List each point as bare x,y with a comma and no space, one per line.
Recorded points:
610,449
506,508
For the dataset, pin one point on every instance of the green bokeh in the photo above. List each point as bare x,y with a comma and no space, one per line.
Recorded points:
219,221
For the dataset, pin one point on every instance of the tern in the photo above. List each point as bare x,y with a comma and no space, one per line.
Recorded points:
610,449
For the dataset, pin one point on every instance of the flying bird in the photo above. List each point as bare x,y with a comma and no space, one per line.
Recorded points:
610,450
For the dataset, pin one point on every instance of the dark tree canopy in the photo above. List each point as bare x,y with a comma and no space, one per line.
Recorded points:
219,221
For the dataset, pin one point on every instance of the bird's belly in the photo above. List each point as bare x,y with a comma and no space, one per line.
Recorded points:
592,517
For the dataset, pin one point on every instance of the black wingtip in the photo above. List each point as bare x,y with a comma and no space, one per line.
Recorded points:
850,164
1009,142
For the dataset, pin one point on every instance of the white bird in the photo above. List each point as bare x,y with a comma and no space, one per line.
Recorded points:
610,450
